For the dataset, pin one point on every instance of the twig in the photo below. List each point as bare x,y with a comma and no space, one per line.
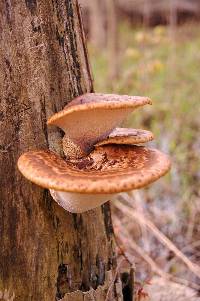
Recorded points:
113,280
191,224
184,249
160,236
142,254
155,268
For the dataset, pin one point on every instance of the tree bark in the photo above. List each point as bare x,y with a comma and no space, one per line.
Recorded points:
46,253
97,18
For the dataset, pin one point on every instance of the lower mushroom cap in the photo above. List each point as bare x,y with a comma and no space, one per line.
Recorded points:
108,169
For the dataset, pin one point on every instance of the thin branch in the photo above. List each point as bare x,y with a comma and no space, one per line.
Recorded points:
113,280
155,268
160,236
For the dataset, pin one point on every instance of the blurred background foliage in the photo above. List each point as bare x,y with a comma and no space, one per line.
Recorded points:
152,64
152,48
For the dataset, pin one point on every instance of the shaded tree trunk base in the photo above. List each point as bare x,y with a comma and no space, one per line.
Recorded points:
102,293
119,289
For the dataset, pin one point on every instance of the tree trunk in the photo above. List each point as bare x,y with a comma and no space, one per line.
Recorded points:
146,13
112,41
46,253
97,23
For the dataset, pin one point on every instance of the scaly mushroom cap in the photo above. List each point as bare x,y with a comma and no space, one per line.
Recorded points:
127,136
108,169
91,117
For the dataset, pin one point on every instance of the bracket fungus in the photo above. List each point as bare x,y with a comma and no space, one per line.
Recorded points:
91,117
101,160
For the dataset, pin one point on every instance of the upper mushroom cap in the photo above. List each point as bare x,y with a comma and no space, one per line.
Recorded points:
96,101
108,169
91,117
127,136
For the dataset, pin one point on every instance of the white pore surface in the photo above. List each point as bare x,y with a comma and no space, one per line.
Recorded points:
77,202
92,126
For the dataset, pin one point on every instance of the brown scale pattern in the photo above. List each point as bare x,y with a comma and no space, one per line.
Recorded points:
108,169
100,97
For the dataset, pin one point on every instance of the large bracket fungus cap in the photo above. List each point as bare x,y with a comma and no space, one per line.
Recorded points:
86,183
91,117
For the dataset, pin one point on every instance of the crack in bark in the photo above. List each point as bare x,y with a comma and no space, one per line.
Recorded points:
43,118
71,33
31,5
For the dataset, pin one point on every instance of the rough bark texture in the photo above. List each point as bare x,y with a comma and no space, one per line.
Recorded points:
45,251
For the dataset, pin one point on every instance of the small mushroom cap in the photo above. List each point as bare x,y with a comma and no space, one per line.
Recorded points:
108,169
127,136
91,117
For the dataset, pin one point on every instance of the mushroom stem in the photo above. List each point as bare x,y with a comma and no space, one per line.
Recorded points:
79,203
71,149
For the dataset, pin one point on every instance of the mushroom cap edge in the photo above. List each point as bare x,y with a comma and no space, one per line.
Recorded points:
38,166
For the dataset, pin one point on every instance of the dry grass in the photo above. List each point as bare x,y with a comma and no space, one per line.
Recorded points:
135,227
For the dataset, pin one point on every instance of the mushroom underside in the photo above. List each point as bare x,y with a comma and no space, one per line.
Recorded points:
98,126
91,126
96,115
79,203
